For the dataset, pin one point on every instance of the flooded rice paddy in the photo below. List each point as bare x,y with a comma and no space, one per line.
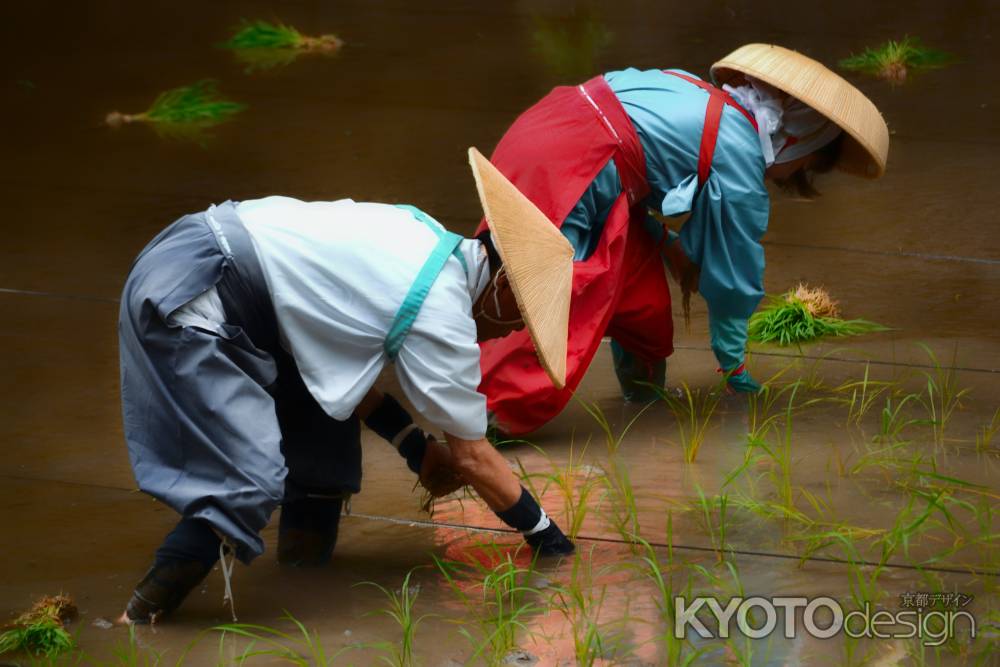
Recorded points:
866,474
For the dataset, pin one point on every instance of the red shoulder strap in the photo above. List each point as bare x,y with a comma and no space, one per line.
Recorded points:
717,100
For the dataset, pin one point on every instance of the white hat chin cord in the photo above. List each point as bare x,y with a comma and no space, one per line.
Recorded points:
496,304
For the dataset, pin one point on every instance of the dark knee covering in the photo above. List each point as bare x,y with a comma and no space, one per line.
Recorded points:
307,530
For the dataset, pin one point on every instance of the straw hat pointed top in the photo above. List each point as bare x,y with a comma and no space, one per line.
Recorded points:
537,258
867,148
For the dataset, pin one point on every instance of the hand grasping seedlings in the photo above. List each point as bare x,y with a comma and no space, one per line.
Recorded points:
804,315
263,45
892,61
185,111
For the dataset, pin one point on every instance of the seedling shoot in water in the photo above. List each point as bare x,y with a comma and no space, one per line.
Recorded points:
892,61
186,111
263,45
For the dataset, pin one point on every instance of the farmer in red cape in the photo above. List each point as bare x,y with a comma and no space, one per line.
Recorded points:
595,158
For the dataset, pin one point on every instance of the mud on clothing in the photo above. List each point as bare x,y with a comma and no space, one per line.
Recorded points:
225,419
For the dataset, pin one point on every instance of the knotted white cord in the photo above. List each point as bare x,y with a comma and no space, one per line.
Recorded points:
227,575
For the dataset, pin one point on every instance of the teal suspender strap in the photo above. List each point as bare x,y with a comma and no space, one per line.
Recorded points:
435,227
447,246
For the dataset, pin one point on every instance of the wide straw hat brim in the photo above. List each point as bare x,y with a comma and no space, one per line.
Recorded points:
867,149
538,261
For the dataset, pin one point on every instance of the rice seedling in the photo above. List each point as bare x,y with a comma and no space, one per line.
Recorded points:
693,410
41,631
894,60
623,506
304,648
500,612
860,395
984,438
804,315
183,112
261,45
575,481
132,655
942,395
581,602
894,420
400,610
820,535
617,479
761,416
678,651
716,531
781,455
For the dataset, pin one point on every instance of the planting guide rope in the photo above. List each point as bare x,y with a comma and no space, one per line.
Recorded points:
760,554
889,253
424,523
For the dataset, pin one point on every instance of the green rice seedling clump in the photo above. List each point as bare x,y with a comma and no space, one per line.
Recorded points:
41,631
400,610
795,318
197,103
893,60
263,45
264,35
183,111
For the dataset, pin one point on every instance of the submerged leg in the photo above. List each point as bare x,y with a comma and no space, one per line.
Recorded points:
186,556
323,456
307,531
638,378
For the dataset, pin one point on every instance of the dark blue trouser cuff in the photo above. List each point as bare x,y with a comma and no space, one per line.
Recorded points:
191,539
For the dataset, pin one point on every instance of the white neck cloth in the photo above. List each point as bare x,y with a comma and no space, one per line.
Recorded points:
787,129
478,262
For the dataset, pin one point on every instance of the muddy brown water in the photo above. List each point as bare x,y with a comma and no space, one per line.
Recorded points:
388,119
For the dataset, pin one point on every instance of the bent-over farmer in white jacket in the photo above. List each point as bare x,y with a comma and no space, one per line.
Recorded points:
252,334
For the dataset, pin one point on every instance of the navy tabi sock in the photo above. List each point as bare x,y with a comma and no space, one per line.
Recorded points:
540,532
526,515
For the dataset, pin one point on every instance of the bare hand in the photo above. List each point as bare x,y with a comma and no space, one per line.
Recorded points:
437,471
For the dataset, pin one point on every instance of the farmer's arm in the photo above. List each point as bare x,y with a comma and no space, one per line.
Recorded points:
722,236
585,221
438,369
486,470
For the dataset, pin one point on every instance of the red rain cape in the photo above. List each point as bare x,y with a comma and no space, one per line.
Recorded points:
552,153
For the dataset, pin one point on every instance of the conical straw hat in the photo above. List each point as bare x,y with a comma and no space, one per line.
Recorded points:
538,261
802,77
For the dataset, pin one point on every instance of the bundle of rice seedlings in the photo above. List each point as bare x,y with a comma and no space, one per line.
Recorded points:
263,45
41,630
893,60
183,111
803,315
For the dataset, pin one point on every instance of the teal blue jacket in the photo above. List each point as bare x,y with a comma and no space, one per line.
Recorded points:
728,213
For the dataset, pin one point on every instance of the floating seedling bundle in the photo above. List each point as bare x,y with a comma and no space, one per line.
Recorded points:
892,61
186,111
262,45
41,630
803,315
